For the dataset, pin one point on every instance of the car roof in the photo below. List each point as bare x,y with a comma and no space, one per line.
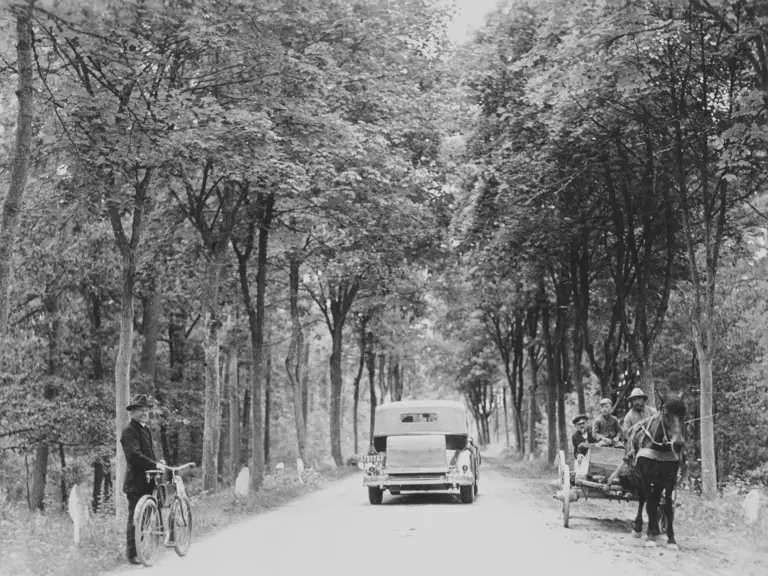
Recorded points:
405,404
452,418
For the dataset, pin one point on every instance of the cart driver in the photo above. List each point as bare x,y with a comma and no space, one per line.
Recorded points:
606,428
639,411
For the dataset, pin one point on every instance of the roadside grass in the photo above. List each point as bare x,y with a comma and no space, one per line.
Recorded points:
693,515
42,544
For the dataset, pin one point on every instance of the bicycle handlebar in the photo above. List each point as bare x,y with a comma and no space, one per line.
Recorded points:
172,469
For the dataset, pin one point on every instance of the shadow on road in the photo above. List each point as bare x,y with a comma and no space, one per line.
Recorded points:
422,498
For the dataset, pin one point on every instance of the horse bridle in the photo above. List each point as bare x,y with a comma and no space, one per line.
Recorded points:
665,441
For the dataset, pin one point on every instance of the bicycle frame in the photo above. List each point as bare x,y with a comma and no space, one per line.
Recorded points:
176,503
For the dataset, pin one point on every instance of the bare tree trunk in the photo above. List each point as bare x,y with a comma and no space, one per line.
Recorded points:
532,322
335,308
20,164
267,406
93,298
293,361
233,393
212,410
552,386
305,391
370,362
382,377
37,494
356,384
128,250
336,389
152,308
39,476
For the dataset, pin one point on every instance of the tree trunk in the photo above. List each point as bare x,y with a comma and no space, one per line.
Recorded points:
212,410
576,376
517,399
20,164
356,384
293,361
233,393
306,407
336,389
128,250
532,321
646,377
63,477
256,321
552,386
93,297
245,433
506,417
152,308
39,475
123,376
561,355
370,362
267,407
150,316
382,377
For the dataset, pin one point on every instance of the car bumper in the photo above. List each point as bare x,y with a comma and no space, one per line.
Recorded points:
416,483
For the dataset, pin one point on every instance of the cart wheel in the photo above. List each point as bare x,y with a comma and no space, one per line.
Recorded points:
560,461
566,480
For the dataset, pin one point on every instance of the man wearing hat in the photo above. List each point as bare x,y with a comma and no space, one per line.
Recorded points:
139,449
581,437
639,410
606,428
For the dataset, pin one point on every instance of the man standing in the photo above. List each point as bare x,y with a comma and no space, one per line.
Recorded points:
639,410
606,428
581,437
136,440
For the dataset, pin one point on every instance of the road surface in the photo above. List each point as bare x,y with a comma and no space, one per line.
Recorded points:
337,532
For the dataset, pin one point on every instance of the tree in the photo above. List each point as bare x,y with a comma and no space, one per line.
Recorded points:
19,167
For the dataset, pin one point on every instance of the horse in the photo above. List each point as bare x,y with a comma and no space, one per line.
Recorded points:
653,456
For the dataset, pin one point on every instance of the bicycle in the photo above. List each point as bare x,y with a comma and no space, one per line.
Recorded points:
148,517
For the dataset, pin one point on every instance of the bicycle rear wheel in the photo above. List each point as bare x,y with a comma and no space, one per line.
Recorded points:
149,531
180,523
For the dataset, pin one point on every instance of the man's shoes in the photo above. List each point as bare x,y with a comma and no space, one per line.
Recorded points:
134,560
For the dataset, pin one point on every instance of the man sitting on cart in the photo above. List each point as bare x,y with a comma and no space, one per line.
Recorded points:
639,410
582,438
606,429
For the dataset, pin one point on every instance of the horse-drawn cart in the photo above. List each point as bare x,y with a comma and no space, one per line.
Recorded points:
590,480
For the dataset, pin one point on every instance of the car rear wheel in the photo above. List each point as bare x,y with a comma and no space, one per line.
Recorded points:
475,488
467,494
375,495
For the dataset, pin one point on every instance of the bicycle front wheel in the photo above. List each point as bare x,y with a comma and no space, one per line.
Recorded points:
180,523
149,530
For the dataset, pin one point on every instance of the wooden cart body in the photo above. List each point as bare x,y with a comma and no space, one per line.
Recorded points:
590,480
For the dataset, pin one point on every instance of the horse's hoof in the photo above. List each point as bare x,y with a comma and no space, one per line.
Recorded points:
636,534
672,546
650,543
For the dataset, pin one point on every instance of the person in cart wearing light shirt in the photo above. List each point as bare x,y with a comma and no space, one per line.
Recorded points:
606,429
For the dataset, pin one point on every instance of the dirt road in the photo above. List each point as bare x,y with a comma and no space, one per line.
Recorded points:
338,532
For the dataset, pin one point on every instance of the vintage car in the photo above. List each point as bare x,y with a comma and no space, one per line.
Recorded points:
421,445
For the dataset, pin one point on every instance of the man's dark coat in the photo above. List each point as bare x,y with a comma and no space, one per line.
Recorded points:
140,457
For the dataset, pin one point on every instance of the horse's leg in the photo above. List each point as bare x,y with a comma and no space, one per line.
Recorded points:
653,515
637,529
669,509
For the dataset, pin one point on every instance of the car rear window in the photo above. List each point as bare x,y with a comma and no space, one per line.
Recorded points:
418,417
